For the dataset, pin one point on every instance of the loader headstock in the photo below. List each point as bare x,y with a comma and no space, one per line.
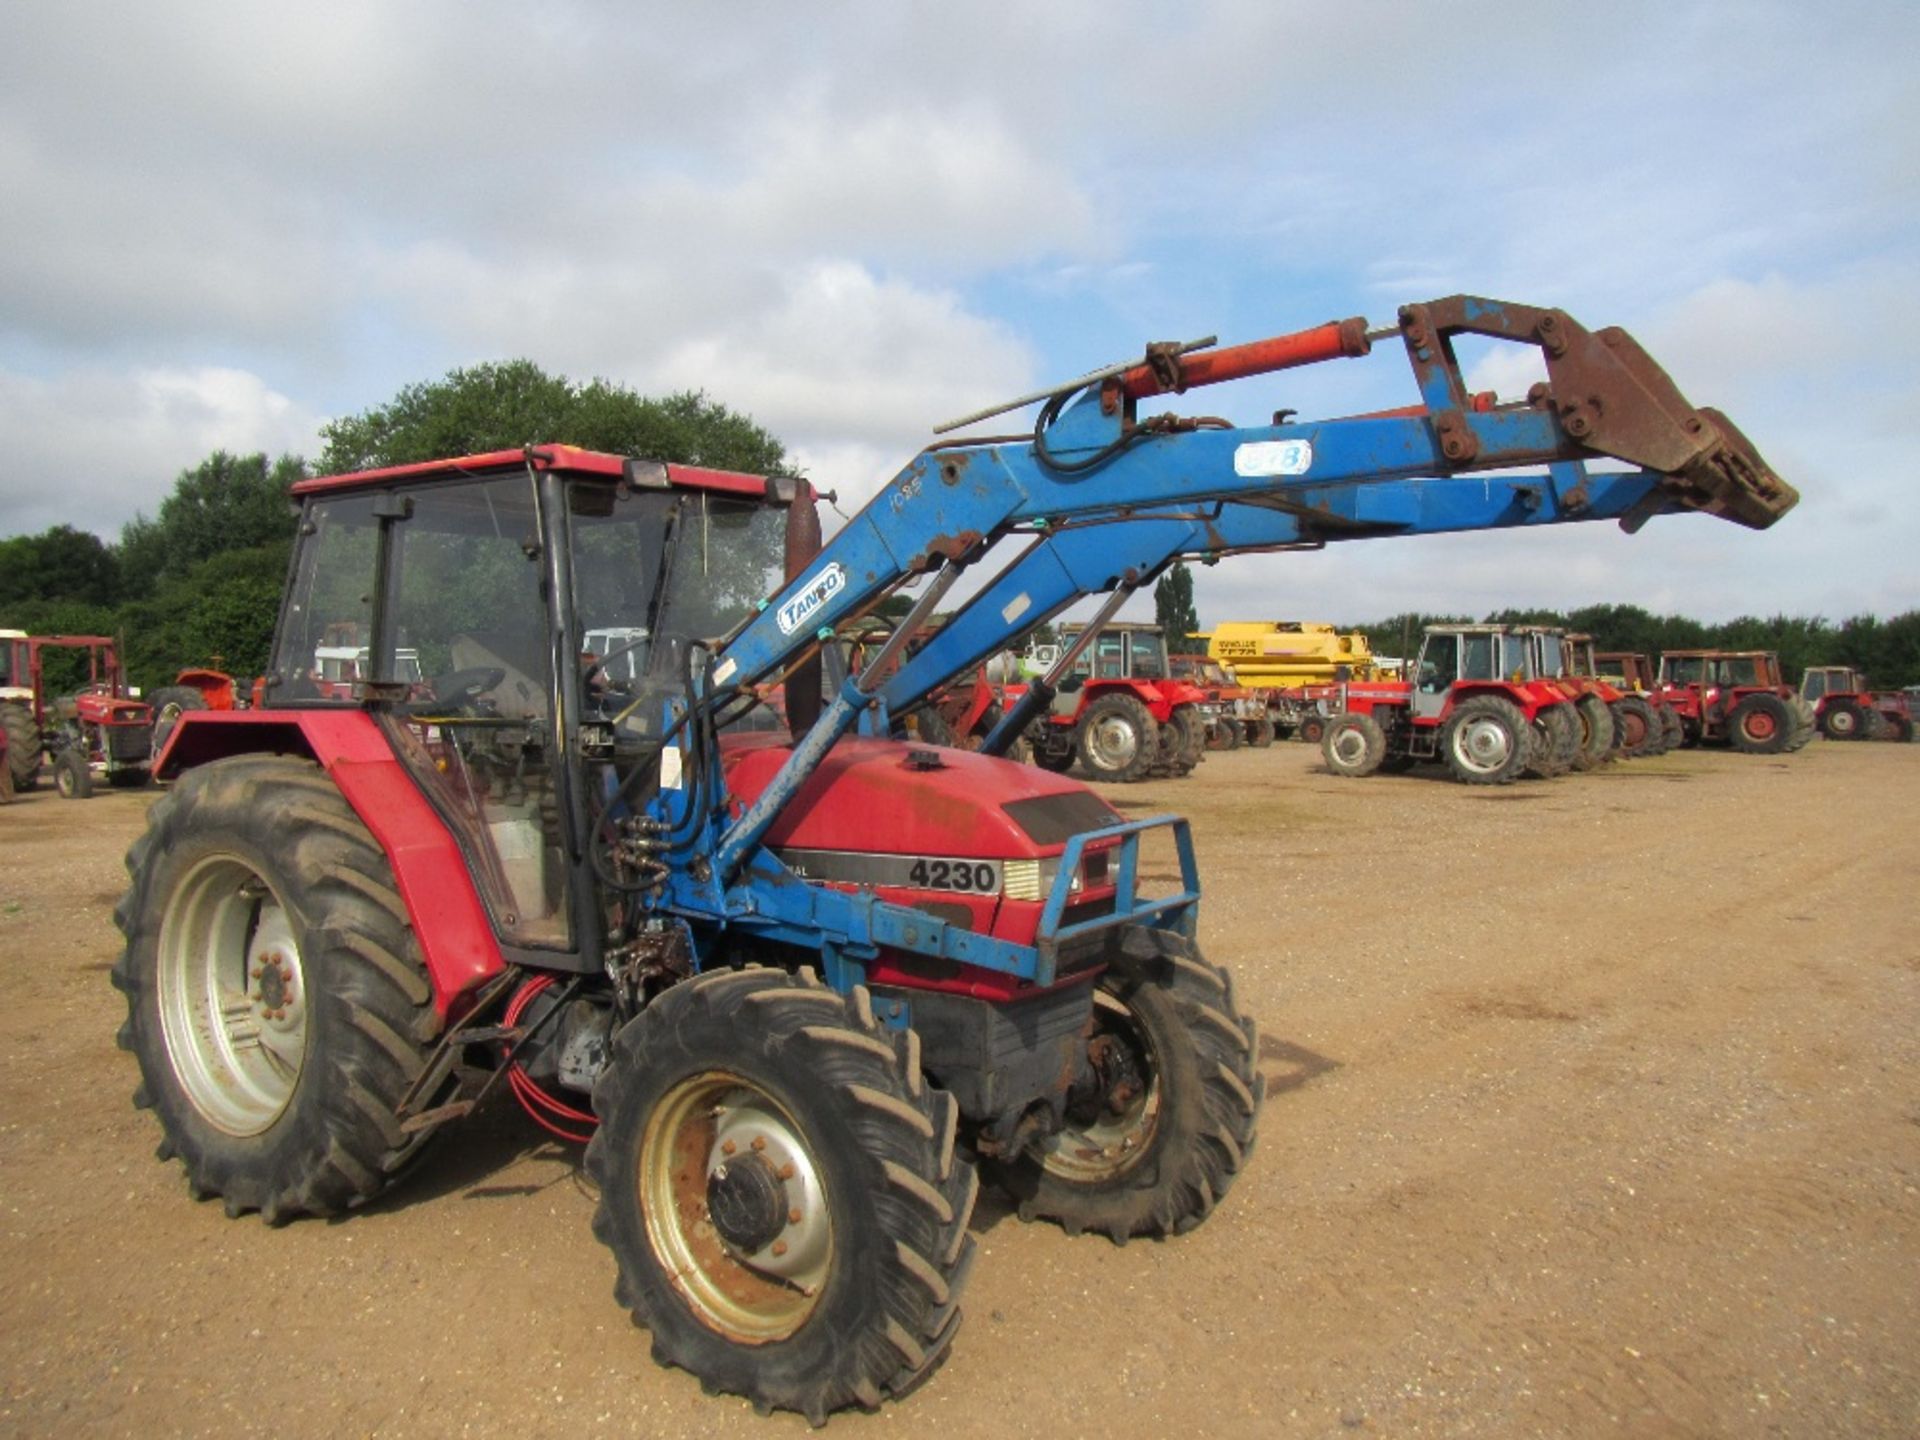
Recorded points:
1609,395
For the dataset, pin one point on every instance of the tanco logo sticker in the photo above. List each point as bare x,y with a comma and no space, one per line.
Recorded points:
827,584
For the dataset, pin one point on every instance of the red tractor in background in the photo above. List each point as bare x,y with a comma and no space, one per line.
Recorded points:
1737,698
1593,700
1845,707
1119,711
101,729
1240,714
1471,706
1634,675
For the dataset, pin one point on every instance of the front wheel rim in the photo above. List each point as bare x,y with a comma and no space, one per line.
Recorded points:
1349,746
736,1208
232,995
1114,1143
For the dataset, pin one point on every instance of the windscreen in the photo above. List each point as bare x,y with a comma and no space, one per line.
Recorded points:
1149,656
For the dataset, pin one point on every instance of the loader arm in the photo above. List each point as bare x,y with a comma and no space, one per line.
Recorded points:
1111,498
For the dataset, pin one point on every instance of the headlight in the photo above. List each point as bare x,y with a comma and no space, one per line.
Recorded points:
1034,879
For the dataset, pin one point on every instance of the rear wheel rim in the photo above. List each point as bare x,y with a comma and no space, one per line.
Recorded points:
232,995
1483,745
1758,725
1115,743
705,1125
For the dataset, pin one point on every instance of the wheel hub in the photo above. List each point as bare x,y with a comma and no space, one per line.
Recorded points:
747,1201
1485,744
1116,742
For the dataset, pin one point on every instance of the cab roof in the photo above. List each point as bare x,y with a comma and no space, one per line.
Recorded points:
566,458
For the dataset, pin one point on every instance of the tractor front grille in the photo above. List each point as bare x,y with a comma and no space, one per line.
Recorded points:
128,744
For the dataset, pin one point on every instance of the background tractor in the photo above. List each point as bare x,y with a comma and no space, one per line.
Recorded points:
1737,698
1635,675
1845,707
1240,716
1119,710
98,729
1475,704
800,989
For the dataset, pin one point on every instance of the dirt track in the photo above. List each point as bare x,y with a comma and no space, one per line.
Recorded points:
1593,1107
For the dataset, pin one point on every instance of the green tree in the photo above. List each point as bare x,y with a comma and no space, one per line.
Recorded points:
1173,606
506,405
226,502
58,564
220,611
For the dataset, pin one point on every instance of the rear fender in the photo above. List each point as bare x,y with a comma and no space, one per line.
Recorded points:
449,921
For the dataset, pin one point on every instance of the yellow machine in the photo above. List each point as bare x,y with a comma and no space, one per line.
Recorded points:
1284,653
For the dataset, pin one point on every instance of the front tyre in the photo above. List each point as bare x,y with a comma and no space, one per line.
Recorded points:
72,776
781,1193
1354,745
276,1000
1152,1148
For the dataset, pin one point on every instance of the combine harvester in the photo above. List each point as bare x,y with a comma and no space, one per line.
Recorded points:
799,990
1293,666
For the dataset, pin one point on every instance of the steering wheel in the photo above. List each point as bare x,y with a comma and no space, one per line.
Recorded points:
459,690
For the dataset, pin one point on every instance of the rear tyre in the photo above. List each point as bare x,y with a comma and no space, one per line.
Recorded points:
1761,725
72,776
1313,729
1596,732
1484,741
1672,728
1638,727
780,1190
23,746
1157,1148
1354,745
1223,735
1262,733
1186,733
1555,742
1902,728
170,702
1118,739
276,1000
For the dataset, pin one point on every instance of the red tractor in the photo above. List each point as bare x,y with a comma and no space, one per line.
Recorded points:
1592,698
98,730
1240,715
1471,706
1119,711
1845,707
1737,698
799,990
1634,676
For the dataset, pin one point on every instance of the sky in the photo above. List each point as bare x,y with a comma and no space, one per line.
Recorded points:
222,225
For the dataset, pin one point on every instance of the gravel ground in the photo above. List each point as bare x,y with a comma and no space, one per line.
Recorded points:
1593,1108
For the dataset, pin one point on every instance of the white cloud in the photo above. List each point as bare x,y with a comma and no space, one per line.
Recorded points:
91,448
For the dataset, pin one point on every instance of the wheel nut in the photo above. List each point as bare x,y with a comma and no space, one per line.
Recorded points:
727,1147
759,1142
785,1172
779,1247
793,1216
